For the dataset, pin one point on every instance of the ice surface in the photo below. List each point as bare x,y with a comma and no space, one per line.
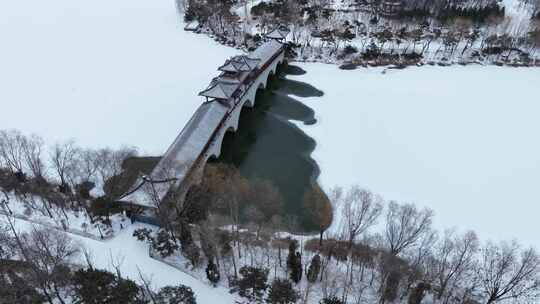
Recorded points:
105,73
460,140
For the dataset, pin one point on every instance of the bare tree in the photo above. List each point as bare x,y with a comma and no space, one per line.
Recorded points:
266,197
255,217
453,261
360,209
22,251
33,147
116,262
47,254
170,208
109,169
416,273
84,168
228,189
50,253
406,226
319,208
12,150
63,159
146,282
507,272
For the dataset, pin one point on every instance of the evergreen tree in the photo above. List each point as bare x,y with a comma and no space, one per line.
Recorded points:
92,286
164,244
282,292
252,283
331,300
17,289
143,234
293,245
212,273
314,269
296,272
294,262
371,52
180,294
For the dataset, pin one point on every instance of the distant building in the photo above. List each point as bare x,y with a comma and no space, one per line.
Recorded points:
391,7
192,26
279,34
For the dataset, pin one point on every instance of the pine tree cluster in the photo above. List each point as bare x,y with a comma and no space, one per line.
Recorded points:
294,262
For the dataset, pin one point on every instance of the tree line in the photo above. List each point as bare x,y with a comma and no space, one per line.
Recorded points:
63,175
377,251
234,233
320,32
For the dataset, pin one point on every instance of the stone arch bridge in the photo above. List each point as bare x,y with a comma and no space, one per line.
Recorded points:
201,138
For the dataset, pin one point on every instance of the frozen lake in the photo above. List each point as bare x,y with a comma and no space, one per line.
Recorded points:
105,73
460,140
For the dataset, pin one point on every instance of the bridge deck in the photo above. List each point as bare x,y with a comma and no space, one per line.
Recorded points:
193,140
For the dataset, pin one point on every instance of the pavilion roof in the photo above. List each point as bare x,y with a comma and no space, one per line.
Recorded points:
219,89
235,78
278,33
240,63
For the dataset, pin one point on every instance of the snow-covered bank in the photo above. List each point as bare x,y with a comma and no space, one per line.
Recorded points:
105,73
460,140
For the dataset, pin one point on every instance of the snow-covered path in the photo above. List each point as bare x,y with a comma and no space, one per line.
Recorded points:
460,140
105,73
124,247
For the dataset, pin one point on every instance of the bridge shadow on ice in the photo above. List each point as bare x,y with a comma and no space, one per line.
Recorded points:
269,146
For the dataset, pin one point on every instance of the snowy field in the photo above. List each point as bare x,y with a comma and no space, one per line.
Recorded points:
132,256
105,73
460,140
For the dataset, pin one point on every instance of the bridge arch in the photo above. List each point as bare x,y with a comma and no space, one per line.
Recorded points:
196,154
248,101
271,74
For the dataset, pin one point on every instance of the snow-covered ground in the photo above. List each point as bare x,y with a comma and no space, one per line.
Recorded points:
133,256
104,73
460,140
37,210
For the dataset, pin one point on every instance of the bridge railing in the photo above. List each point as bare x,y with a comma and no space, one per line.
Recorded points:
183,188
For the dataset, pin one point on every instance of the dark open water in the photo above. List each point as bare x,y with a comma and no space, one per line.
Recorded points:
268,146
